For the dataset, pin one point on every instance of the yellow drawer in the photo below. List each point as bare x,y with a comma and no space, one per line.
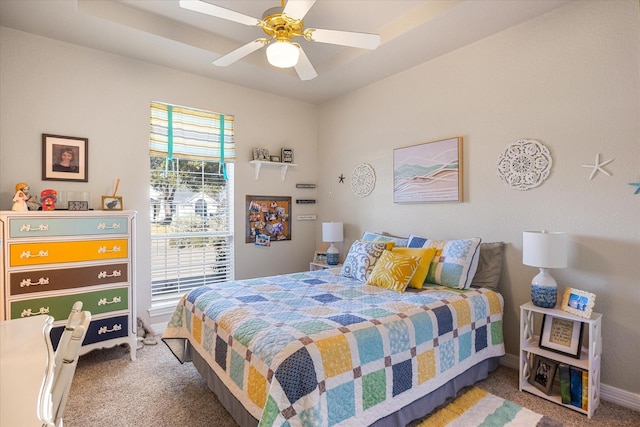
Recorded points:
21,254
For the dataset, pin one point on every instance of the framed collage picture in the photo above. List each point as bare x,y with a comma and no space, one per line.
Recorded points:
268,219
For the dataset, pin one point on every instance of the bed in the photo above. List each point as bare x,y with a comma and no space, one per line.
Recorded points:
327,348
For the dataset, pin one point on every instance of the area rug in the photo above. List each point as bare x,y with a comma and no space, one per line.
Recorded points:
477,407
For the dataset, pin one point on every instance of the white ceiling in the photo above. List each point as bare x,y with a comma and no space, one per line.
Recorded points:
160,32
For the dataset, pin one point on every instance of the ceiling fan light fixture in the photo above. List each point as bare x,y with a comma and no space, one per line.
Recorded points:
283,54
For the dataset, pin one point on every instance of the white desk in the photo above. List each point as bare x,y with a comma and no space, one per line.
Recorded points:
26,371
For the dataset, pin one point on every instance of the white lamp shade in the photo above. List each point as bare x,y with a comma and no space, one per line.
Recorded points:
332,232
544,249
283,54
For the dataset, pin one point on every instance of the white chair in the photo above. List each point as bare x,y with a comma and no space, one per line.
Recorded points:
66,358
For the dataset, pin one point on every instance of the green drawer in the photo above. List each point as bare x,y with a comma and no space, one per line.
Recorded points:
59,307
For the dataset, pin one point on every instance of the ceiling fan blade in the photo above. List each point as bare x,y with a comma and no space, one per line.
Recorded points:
304,68
240,53
343,38
297,9
217,11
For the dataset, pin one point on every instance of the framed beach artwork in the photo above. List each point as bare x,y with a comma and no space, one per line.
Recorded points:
429,172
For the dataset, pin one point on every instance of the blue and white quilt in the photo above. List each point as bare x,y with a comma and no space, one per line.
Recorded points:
319,349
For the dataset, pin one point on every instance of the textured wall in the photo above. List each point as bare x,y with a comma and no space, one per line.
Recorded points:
53,87
569,79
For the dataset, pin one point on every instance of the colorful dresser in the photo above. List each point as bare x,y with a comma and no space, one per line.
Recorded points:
50,260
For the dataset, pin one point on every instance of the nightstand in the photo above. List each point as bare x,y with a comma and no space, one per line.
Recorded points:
314,266
588,361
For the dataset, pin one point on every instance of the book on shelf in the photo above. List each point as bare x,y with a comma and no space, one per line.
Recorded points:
585,390
578,391
565,383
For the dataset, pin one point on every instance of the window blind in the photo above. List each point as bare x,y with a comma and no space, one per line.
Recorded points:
191,200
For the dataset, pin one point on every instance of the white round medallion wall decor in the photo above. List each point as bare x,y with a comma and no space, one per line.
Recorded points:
524,164
363,179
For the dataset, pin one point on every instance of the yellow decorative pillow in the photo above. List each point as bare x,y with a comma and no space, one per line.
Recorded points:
427,255
393,271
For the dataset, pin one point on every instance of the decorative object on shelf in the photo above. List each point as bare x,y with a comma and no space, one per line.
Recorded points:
542,373
525,164
363,179
544,249
261,154
341,179
307,217
275,159
577,302
287,155
320,257
23,201
637,185
429,172
65,158
48,199
332,232
597,167
111,203
305,201
561,335
78,205
268,215
305,186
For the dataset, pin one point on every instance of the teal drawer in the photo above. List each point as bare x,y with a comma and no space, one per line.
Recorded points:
67,226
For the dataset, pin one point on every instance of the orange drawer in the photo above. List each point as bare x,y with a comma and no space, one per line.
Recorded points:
21,254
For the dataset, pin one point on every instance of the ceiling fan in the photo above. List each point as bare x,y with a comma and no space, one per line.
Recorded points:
282,25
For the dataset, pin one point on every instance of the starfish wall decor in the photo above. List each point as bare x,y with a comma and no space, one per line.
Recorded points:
637,185
597,167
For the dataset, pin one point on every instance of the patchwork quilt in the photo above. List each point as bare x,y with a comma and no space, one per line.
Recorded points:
320,349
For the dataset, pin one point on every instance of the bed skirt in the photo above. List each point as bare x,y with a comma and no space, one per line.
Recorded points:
416,410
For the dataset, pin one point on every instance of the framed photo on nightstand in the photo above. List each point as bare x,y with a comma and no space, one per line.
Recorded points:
561,335
542,373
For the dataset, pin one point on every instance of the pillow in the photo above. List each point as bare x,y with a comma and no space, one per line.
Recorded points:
489,265
455,262
369,236
393,271
427,255
361,259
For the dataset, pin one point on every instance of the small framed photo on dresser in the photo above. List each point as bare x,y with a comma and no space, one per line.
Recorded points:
111,203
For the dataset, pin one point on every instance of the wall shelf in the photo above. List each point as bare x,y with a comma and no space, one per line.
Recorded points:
257,165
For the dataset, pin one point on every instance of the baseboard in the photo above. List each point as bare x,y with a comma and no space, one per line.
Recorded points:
607,392
159,328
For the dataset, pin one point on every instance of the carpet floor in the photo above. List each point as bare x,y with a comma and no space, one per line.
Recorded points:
109,390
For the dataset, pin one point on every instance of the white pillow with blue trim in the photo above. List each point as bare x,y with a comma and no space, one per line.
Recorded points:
455,262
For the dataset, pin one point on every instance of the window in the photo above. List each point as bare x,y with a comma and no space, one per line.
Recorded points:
191,164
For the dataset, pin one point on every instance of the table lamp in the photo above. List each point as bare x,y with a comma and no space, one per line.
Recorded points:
544,249
332,232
